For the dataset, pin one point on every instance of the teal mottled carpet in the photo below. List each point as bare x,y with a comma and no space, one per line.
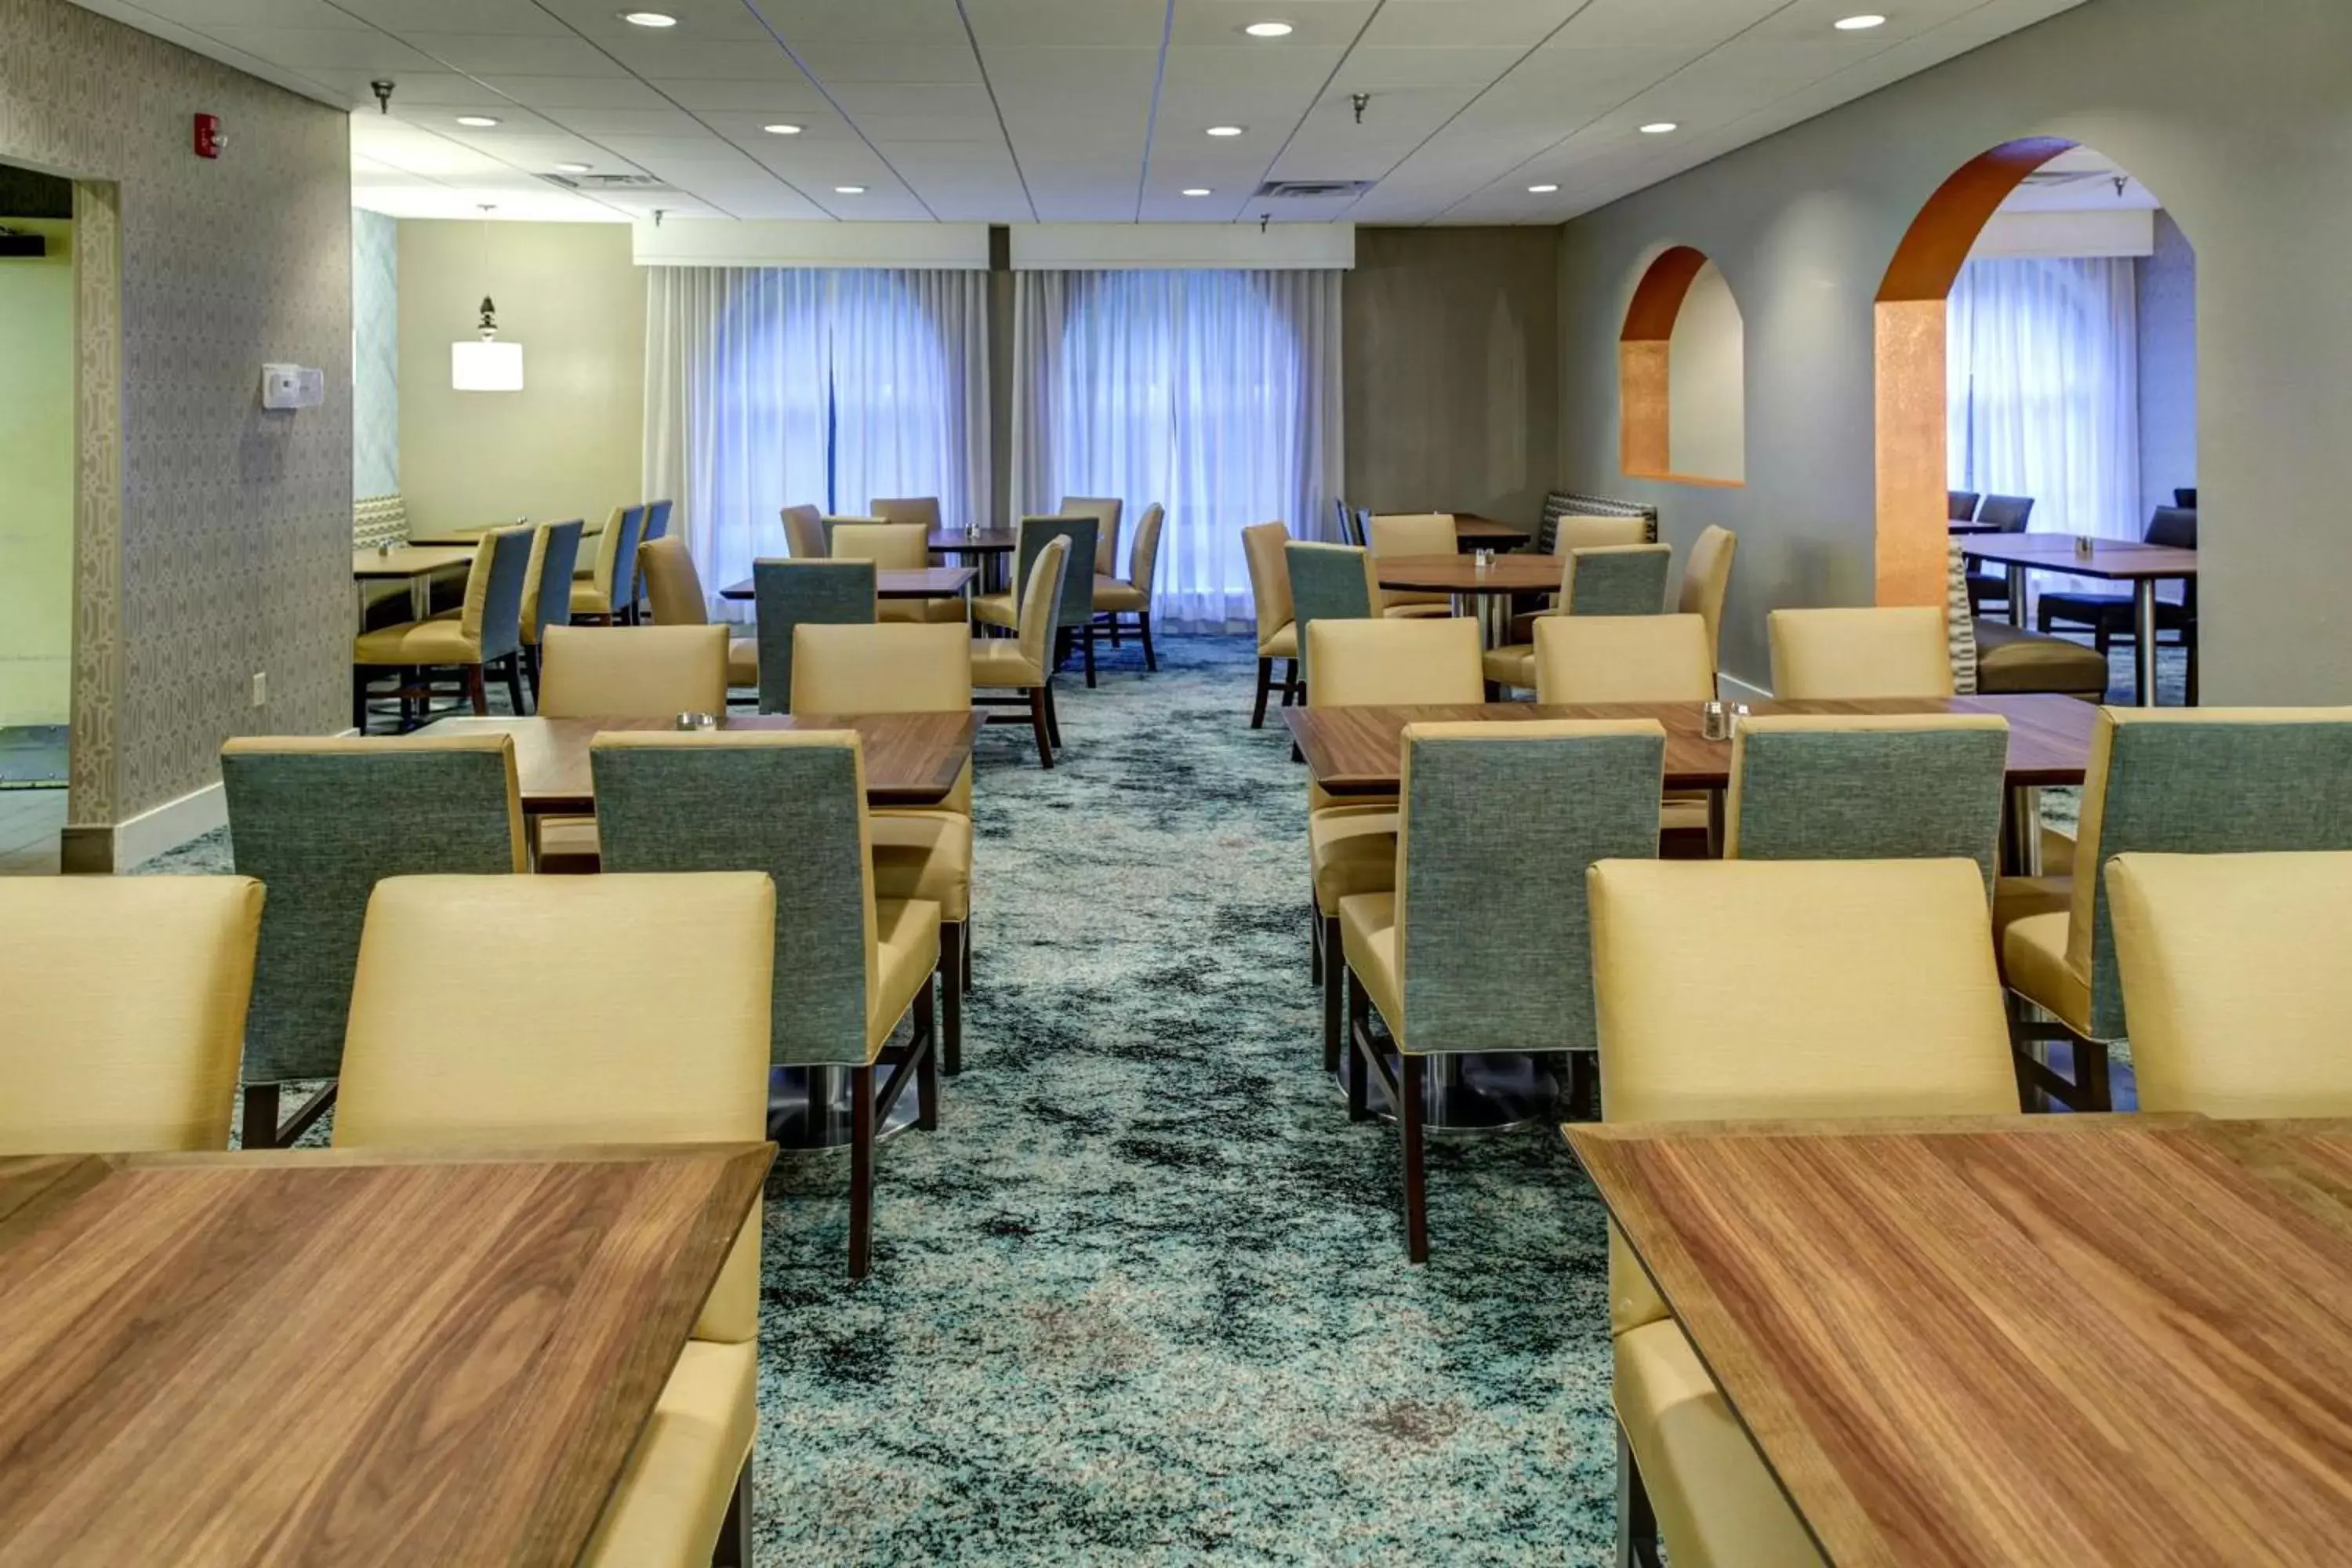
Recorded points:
1142,1298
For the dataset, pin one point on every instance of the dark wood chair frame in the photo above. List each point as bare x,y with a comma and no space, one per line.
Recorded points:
1038,713
1292,690
260,1110
870,1106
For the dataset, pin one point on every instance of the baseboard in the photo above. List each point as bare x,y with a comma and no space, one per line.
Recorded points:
1734,690
169,825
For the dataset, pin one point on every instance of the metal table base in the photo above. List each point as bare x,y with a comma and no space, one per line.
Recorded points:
1502,1091
808,1108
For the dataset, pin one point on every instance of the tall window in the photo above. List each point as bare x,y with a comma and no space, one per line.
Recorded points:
1215,393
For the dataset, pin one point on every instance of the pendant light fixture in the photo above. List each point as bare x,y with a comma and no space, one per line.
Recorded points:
486,364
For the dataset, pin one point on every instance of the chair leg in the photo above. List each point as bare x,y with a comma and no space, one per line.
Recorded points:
927,1063
358,697
1090,655
1264,689
1314,942
967,956
1151,657
1333,963
1037,722
952,996
531,668
514,683
1416,1181
1359,1008
1053,715
733,1547
476,693
861,1170
1113,621
262,1112
1293,690
1637,1523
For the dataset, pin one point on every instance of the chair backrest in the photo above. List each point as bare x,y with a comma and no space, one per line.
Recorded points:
1841,654
638,672
1106,510
1143,558
894,666
624,1010
2232,971
1492,940
1269,573
1706,583
1328,583
1347,534
2173,525
492,612
1960,506
1358,529
1622,659
616,556
1578,530
673,586
1616,580
796,593
656,522
1924,786
1077,605
924,509
547,584
1395,663
1413,533
2184,496
892,546
1044,593
124,1010
320,822
2008,513
2198,781
804,532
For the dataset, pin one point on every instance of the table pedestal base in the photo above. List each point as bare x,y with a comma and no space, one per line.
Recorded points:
808,1108
1503,1092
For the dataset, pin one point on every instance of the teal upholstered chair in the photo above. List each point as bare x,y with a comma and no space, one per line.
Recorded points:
1074,614
2167,781
791,803
1329,582
1913,787
1483,944
604,590
818,590
547,588
318,822
1616,580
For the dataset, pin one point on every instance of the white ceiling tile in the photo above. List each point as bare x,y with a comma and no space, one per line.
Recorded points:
1694,24
1373,69
561,93
793,97
518,18
1325,24
835,62
699,21
305,49
492,53
687,60
605,122
1439,24
1024,24
208,16
910,23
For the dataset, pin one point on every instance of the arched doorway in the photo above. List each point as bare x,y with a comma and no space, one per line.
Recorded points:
1682,375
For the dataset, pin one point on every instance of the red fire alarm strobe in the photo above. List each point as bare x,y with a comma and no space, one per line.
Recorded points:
209,140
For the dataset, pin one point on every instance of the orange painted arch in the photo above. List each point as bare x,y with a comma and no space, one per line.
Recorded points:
1644,353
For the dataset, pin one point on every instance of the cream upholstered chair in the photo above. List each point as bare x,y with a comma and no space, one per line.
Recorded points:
1132,596
674,591
606,1025
849,966
893,547
614,672
794,592
1481,944
1412,533
1912,786
1603,580
319,821
96,1053
2166,781
1351,840
609,596
804,533
485,633
1278,636
1862,988
924,509
1106,511
1821,656
547,588
1706,583
2232,972
920,852
1024,663
1584,660
1074,614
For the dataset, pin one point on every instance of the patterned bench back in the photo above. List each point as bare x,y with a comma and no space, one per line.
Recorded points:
378,520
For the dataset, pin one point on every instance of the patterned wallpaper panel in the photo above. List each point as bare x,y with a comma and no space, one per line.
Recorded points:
375,351
214,547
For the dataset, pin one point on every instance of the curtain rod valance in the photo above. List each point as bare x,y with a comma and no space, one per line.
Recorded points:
745,242
963,246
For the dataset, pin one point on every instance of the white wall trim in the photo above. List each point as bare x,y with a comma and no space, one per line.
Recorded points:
169,825
731,242
1114,246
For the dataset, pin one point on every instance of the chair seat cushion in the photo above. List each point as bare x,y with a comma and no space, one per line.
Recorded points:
1117,597
919,612
998,662
924,855
996,610
587,599
906,934
568,844
1350,852
1430,609
1368,936
670,1502
742,661
2089,607
1512,666
417,642
1283,644
2015,899
2012,659
2033,963
1717,1505
1683,811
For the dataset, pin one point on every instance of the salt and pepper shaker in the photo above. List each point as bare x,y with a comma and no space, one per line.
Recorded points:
2083,546
1738,716
1715,723
1485,558
695,721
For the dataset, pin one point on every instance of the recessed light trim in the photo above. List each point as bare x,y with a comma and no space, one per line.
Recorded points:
1541,190
1269,29
572,168
783,130
849,190
477,122
1859,24
1198,191
649,18
1660,127
1226,129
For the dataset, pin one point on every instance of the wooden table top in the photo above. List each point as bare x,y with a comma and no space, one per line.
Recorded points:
987,541
1359,751
350,1356
410,560
1469,528
1460,573
2019,1341
911,759
918,583
2120,558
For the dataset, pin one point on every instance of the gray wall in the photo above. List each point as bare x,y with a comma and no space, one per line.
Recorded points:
1449,372
2238,116
2168,366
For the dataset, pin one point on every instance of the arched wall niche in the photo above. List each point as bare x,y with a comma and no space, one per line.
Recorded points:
1681,377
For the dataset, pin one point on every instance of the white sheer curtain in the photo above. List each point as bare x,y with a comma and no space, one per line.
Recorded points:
2043,392
769,387
1214,393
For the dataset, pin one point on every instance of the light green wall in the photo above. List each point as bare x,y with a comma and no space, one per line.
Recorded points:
571,444
36,478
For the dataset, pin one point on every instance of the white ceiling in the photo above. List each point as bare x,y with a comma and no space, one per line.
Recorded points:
1063,111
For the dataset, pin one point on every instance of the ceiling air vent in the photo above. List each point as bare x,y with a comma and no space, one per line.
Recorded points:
591,183
1314,189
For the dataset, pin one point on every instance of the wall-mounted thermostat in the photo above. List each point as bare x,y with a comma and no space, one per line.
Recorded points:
292,386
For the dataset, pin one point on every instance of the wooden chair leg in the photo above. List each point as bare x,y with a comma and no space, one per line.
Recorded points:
358,697
1360,1007
1264,689
531,668
966,956
861,1170
1293,690
260,1115
952,996
1150,655
1090,655
1037,722
1416,1188
1314,942
1053,715
1637,1521
1113,630
1333,963
476,693
514,683
927,1063
733,1547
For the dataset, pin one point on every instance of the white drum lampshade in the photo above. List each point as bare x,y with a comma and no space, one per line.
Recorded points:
486,364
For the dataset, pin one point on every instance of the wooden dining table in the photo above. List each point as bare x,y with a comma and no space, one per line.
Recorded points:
987,549
1483,592
2017,1340
1472,532
352,1356
911,759
414,565
2113,560
889,583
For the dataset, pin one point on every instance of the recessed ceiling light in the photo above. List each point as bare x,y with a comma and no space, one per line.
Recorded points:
1861,24
849,190
782,130
1198,191
1224,130
478,121
572,168
649,18
1541,190
1268,29
1659,128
